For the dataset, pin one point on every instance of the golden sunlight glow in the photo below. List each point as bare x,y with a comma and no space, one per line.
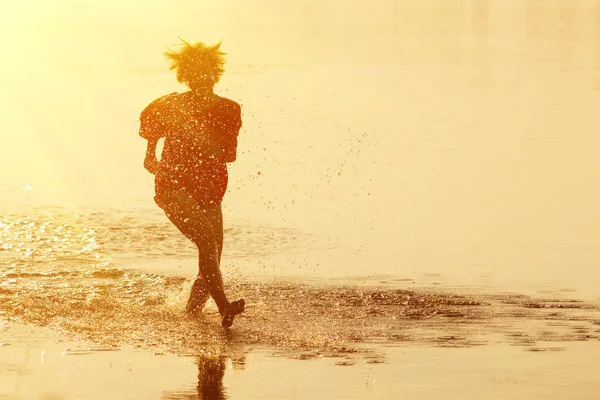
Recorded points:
389,119
69,61
416,188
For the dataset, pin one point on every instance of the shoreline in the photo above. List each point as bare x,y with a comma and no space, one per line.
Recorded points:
472,342
36,365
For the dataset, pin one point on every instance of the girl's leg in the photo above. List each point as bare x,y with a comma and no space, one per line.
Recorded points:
203,226
199,295
215,217
217,222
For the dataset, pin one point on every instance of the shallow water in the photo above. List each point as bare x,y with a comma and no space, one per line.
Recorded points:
60,275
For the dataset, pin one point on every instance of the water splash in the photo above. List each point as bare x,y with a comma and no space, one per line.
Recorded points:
116,307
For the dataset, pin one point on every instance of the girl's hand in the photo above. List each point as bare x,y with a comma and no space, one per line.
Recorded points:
151,164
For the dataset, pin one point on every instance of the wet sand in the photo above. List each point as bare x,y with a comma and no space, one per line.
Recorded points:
37,365
315,339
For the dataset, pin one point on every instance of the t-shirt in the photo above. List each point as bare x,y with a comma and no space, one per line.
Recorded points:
198,144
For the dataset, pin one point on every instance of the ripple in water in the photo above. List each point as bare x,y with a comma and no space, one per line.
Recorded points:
49,235
56,274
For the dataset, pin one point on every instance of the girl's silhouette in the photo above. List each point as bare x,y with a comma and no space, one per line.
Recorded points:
200,130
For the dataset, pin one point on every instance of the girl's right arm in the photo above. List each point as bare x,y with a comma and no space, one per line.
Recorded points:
150,161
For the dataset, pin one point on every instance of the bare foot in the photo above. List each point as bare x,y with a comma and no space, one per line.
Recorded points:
234,308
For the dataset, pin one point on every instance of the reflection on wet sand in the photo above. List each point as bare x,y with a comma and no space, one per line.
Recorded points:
211,371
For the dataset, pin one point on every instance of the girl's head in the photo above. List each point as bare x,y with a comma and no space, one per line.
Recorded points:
198,66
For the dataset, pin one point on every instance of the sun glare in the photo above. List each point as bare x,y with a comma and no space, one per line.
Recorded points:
71,87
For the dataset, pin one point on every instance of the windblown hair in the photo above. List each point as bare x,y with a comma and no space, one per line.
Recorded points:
197,63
